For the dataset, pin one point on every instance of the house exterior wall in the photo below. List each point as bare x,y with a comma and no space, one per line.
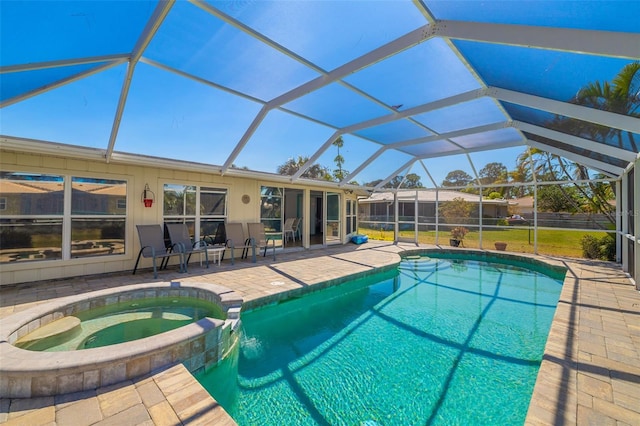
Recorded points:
136,178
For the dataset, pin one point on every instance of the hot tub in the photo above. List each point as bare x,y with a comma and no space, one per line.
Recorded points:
204,343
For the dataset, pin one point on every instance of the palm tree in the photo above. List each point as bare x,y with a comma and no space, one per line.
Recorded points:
292,165
339,160
621,96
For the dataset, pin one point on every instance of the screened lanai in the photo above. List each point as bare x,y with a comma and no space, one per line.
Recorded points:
95,92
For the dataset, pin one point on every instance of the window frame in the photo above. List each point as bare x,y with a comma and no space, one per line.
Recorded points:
63,217
197,218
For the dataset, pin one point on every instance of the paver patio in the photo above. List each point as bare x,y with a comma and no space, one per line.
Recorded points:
590,373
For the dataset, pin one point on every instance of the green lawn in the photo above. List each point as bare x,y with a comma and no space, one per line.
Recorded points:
551,242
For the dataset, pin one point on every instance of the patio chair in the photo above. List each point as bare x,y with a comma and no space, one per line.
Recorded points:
181,241
287,229
296,228
237,240
256,231
152,245
220,238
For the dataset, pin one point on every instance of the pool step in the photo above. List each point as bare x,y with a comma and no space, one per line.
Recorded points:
54,328
423,264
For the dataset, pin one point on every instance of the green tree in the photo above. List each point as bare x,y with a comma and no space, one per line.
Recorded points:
292,165
589,197
457,178
520,174
492,173
412,181
456,210
555,198
621,96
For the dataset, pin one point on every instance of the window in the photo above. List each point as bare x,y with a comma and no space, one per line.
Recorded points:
3,203
271,208
121,204
202,209
36,225
352,225
97,224
31,224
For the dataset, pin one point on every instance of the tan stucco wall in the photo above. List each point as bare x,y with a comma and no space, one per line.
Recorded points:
137,177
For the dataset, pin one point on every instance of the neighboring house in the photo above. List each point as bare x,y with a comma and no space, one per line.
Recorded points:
524,206
379,206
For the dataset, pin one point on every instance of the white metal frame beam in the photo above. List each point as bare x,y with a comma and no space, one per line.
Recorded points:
402,43
608,150
420,109
590,42
605,168
426,139
395,173
501,145
160,12
605,118
60,83
120,58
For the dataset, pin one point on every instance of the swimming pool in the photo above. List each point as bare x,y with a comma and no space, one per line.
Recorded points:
438,342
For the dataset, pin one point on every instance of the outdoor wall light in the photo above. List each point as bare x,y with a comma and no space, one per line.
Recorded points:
148,197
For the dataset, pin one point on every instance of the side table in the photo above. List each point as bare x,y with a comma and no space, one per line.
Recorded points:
215,254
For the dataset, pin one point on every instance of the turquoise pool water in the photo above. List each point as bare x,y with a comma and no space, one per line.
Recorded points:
127,321
437,342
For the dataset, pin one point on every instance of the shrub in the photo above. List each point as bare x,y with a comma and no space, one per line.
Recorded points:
459,232
599,248
590,247
608,247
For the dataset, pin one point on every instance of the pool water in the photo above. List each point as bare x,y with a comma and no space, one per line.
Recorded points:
437,342
127,321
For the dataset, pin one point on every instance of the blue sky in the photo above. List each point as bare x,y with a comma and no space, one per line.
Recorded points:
168,115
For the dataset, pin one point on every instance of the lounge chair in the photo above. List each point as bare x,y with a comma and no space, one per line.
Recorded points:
237,240
256,231
152,245
181,241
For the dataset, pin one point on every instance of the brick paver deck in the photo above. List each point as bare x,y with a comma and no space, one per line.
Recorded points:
590,373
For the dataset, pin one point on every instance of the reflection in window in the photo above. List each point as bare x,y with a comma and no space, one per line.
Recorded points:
202,209
32,194
91,233
96,196
30,239
179,200
271,208
97,237
31,223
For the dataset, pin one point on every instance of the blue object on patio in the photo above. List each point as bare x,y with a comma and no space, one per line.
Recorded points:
359,239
